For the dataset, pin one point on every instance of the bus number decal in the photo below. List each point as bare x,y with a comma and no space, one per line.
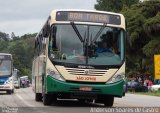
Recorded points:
86,78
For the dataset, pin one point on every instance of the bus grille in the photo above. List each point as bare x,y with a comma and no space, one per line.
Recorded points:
86,72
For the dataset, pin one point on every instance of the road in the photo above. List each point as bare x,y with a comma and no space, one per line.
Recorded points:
22,101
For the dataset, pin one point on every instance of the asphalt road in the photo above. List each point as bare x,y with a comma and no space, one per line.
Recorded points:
22,101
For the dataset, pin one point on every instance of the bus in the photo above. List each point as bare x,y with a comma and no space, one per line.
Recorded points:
80,54
6,73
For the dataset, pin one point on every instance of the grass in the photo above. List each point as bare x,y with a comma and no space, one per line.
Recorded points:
153,93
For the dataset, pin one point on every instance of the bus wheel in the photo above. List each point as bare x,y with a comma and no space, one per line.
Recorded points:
38,96
47,99
81,100
108,101
54,98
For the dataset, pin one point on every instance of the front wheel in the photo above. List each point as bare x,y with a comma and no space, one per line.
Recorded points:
81,100
47,99
38,96
108,101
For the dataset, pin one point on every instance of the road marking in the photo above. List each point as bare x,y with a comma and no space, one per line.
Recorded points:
28,104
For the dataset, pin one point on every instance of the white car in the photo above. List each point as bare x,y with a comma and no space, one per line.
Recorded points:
16,84
155,87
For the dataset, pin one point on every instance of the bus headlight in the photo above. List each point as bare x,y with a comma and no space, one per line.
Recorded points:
52,55
116,78
55,74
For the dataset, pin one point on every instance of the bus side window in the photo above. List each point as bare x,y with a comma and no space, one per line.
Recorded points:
54,30
36,47
40,39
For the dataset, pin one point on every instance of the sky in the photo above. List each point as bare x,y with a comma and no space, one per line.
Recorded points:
28,16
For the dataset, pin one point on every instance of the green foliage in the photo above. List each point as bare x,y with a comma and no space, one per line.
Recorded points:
3,46
22,50
109,5
150,93
114,5
143,25
4,36
153,47
152,25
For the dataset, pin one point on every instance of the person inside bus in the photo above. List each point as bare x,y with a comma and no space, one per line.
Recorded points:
108,44
112,40
103,47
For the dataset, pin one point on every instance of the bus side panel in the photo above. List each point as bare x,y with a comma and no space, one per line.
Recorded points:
40,72
36,68
33,75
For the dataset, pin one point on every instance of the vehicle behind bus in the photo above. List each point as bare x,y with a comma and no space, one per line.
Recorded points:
6,74
24,81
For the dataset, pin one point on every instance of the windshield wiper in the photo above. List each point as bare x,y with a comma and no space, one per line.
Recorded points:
77,32
99,32
87,42
84,41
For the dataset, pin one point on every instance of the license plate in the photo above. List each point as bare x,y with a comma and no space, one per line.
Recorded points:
85,88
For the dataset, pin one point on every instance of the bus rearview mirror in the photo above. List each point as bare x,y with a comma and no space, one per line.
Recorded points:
46,31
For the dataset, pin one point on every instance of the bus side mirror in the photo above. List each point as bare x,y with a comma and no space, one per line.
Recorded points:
46,31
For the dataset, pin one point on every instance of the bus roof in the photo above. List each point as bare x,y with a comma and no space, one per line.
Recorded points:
5,54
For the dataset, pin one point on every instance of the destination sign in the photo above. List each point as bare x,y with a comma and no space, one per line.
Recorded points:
5,57
88,17
1,57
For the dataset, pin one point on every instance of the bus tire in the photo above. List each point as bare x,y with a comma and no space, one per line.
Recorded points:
81,100
38,96
54,99
108,101
47,99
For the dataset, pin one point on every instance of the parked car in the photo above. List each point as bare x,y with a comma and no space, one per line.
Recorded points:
155,87
131,85
136,86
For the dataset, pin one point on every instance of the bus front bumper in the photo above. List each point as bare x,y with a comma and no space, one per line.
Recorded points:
5,87
56,86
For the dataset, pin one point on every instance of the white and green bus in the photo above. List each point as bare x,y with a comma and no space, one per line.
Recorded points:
80,54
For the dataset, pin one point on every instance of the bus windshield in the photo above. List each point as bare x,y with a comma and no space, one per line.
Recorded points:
5,67
86,44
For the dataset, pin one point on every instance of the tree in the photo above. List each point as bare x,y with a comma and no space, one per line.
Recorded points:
22,51
114,5
4,36
143,25
13,36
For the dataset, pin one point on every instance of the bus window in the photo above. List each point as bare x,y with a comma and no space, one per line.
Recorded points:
5,67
